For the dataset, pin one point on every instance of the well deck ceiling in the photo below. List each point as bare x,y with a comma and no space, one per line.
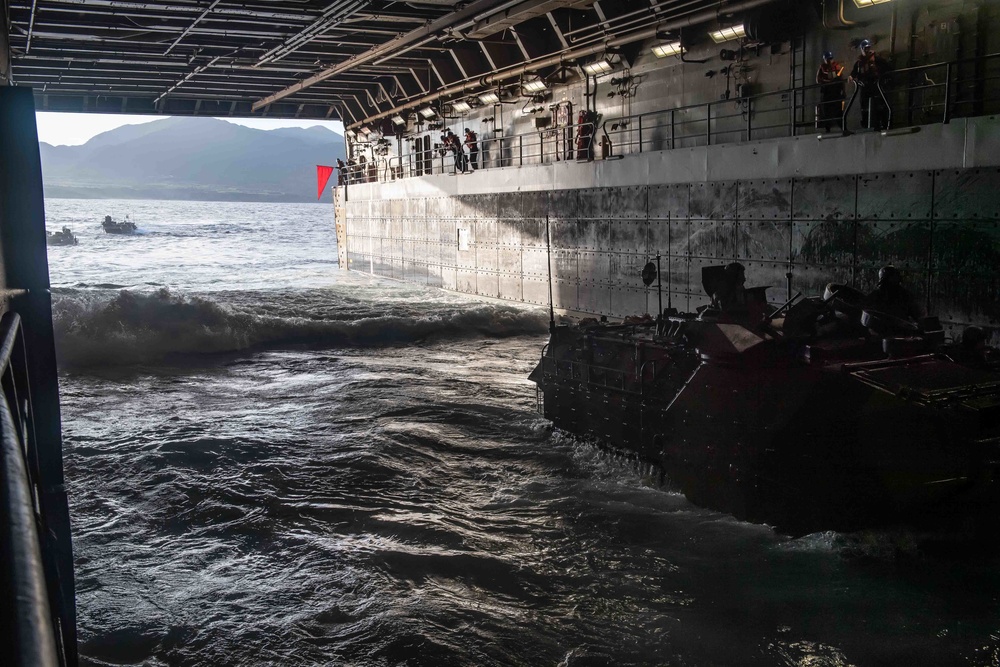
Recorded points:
315,59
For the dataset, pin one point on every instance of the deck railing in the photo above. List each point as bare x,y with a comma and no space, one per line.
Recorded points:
30,630
920,95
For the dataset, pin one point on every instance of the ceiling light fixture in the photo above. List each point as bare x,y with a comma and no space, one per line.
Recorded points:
461,107
868,3
534,86
428,112
398,120
601,66
489,98
728,33
667,49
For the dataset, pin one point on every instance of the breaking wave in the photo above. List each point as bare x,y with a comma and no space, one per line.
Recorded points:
128,328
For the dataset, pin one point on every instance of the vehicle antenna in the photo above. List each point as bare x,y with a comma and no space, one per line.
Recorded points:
548,258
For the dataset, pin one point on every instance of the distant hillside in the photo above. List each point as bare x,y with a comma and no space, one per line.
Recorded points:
195,159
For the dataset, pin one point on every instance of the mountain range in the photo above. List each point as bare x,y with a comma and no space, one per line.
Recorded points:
202,159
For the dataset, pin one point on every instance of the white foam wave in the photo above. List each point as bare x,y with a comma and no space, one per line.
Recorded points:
95,329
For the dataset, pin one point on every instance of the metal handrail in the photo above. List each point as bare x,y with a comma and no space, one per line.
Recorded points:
701,123
29,627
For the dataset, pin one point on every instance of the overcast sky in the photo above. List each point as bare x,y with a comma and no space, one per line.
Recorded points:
73,129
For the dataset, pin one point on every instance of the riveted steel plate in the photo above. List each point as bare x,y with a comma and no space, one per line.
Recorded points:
487,257
627,235
396,268
713,238
595,298
767,199
565,295
486,231
465,281
824,198
440,207
570,204
906,195
395,230
488,284
508,233
434,278
627,301
449,277
409,251
534,263
626,269
414,228
565,266
449,254
397,208
965,246
509,259
967,193
966,297
415,207
625,203
535,291
594,266
415,272
764,240
658,237
581,234
669,201
509,206
510,287
713,200
432,230
448,230
532,232
903,243
825,242
466,259
535,204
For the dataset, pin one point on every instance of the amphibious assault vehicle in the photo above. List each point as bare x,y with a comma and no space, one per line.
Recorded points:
823,416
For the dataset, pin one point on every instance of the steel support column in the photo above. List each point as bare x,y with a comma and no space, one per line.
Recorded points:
25,267
5,64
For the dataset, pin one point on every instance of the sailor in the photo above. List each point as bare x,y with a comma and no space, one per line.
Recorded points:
341,177
830,77
891,298
472,142
868,71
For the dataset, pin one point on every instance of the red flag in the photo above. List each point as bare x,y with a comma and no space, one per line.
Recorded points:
322,177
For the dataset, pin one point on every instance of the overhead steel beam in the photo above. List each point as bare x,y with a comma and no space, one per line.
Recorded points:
191,27
519,13
575,54
451,20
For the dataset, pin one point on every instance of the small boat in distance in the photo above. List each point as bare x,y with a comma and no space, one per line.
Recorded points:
62,237
112,226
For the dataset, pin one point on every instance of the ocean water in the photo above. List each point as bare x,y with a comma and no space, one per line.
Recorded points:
274,462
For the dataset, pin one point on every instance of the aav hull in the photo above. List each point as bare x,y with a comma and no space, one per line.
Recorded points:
804,437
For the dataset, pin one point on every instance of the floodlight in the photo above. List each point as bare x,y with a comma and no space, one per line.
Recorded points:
398,120
868,3
351,134
728,33
601,66
461,107
667,49
534,86
489,98
364,129
428,112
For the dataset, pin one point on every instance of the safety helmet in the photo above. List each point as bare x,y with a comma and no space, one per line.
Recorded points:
735,268
888,274
828,55
865,44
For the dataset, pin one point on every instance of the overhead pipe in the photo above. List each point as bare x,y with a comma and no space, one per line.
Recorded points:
572,54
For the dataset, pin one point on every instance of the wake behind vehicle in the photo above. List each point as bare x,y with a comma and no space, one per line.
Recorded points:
62,237
824,416
112,226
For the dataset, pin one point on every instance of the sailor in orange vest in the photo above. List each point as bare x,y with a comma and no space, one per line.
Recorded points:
830,76
868,71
